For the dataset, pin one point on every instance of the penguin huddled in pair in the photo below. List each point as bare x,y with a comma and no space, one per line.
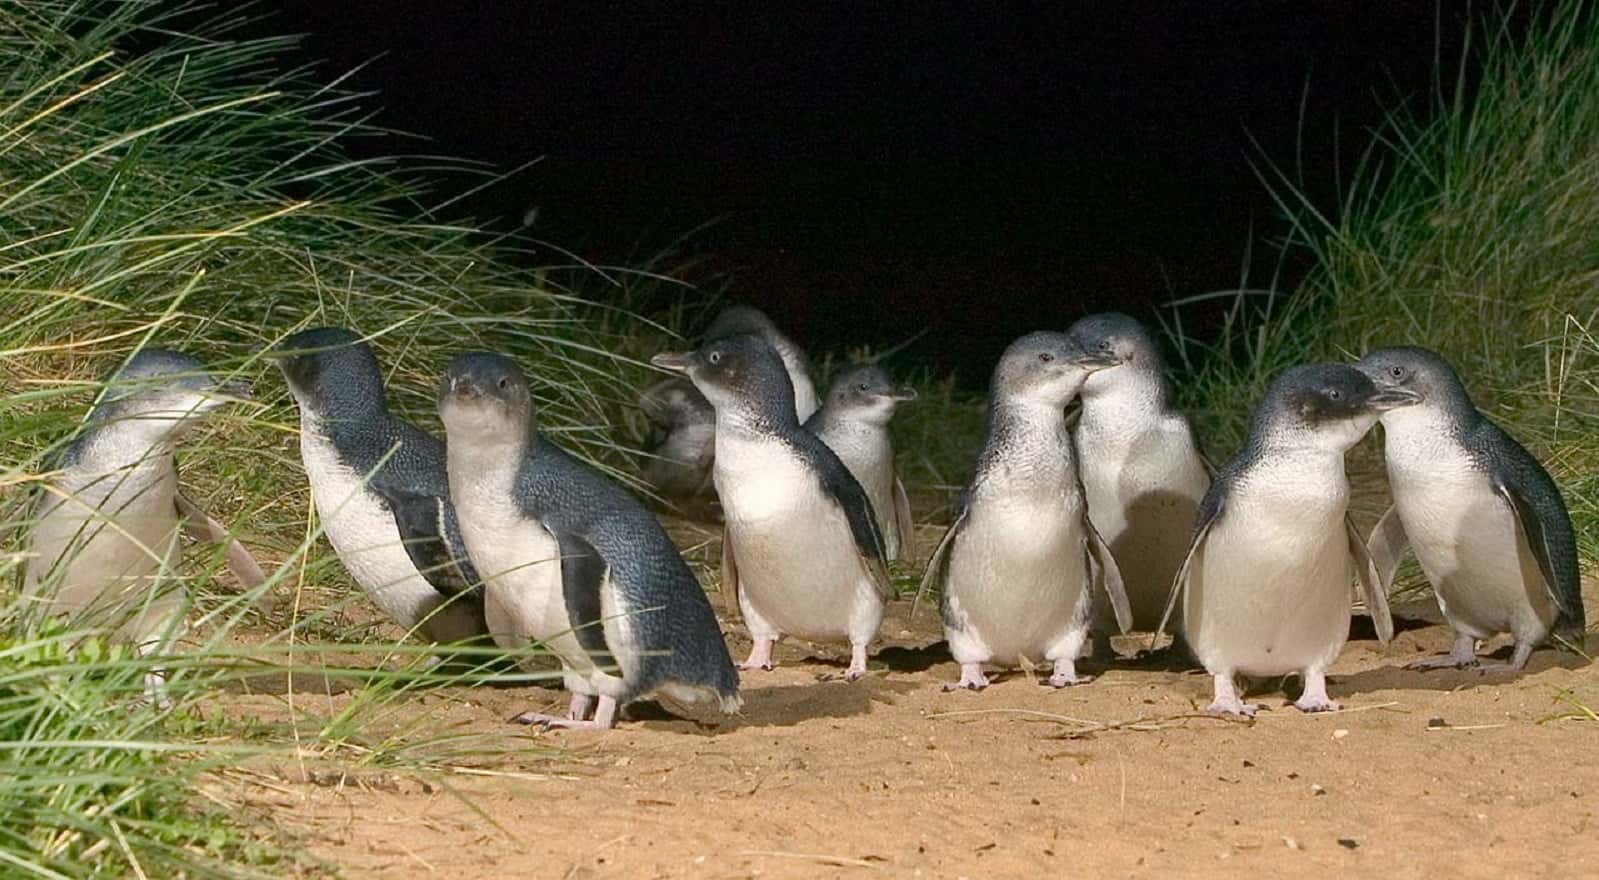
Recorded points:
104,547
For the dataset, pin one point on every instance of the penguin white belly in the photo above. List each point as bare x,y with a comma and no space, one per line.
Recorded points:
1269,592
1143,487
101,551
1471,547
363,533
798,567
1017,583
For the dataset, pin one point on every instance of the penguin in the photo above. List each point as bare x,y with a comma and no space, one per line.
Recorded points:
1142,471
380,488
801,552
1019,565
737,320
571,560
104,539
853,422
678,467
1485,520
1264,586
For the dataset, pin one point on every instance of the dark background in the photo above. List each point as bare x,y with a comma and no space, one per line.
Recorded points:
969,172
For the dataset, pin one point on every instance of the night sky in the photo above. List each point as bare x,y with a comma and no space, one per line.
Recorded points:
971,171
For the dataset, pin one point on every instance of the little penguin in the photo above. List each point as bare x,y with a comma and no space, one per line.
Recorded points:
679,465
801,550
738,320
571,560
104,541
1265,585
853,422
380,488
1143,474
1019,565
1485,520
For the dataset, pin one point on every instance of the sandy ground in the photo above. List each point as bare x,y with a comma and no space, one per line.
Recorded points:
1456,774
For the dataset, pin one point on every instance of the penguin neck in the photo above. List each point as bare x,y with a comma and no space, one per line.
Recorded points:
1021,431
758,418
1137,394
130,444
1420,430
487,464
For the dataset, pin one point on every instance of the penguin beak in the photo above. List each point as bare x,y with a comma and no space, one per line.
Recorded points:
1098,360
465,387
1392,398
903,394
674,362
238,389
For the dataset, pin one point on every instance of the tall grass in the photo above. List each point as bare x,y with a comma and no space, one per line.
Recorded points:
163,182
1471,225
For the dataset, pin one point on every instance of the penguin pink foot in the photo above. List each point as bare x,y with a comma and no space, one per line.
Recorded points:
604,717
760,656
972,678
1464,653
857,663
1227,702
1065,674
1315,698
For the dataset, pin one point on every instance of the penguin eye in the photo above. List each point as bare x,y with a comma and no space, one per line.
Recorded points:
862,386
1334,394
1104,345
1045,356
504,383
714,357
1396,371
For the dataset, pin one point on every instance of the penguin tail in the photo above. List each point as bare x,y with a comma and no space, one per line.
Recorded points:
1571,633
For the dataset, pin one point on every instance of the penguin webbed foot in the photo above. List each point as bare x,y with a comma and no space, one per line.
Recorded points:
604,715
1233,707
857,663
1065,674
1462,654
760,657
972,679
1310,705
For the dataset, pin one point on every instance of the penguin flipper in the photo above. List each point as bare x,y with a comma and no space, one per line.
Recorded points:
730,575
1373,586
840,485
1211,509
938,563
1102,568
1387,545
903,523
432,539
1559,569
583,573
199,526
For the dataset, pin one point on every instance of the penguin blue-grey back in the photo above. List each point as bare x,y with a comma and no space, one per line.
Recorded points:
380,488
1142,471
1265,583
622,609
1018,567
853,422
103,546
802,553
1485,520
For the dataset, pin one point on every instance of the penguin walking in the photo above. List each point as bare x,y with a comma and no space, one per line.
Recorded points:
1484,518
380,488
1142,472
679,465
801,549
853,422
571,560
1264,587
740,320
104,544
1019,565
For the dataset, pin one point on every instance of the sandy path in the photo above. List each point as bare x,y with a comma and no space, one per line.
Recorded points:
891,777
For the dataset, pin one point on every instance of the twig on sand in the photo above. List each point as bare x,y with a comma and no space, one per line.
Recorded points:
1089,727
821,859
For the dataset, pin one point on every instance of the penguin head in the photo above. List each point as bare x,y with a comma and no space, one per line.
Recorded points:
1410,376
675,402
739,374
1322,405
1045,368
741,320
485,397
866,393
164,393
1121,343
331,371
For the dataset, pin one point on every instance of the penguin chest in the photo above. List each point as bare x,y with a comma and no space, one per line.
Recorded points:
1268,592
1018,576
870,460
362,530
104,540
799,569
1469,544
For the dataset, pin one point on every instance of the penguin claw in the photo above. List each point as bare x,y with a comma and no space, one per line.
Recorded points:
1058,681
763,667
953,686
1312,706
1236,708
